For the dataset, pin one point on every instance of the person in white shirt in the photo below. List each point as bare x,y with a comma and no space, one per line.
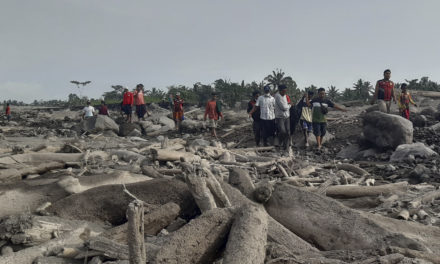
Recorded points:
266,104
282,117
88,111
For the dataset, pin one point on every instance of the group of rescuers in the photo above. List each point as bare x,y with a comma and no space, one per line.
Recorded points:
272,114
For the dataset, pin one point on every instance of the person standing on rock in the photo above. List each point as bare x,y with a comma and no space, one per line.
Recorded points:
127,102
319,111
8,112
141,108
103,110
256,124
266,105
306,116
384,92
404,100
88,111
282,118
177,111
213,112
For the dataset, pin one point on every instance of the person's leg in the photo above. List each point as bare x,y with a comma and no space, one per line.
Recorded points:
323,129
287,139
304,130
255,128
317,133
388,104
265,131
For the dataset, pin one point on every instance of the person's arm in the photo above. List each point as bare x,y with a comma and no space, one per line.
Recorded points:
394,94
282,104
411,100
376,91
335,106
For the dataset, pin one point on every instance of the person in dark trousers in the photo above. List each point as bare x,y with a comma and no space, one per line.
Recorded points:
306,115
405,99
127,102
103,110
319,111
214,113
8,112
282,118
266,105
256,125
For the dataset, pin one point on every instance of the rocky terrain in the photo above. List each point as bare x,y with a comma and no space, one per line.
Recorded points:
104,191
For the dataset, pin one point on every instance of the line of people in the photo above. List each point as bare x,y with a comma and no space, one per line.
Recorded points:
275,115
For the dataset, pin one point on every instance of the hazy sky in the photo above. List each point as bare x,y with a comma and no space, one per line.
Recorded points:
45,44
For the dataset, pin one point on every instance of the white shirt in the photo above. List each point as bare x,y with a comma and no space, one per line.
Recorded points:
88,110
282,107
267,107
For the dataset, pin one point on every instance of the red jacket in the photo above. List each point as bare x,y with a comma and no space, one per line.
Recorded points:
128,98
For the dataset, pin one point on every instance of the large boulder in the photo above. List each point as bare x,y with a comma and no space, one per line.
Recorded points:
127,129
165,121
419,121
99,123
386,130
435,127
416,150
429,111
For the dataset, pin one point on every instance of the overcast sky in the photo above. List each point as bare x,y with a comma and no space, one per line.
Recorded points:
45,44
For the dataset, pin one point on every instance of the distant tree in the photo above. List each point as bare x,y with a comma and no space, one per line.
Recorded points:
363,90
277,77
77,83
333,93
115,95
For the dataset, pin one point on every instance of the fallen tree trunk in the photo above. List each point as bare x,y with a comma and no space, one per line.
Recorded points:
11,175
42,157
199,240
27,256
172,155
426,198
354,191
320,223
247,238
240,179
135,230
109,248
154,222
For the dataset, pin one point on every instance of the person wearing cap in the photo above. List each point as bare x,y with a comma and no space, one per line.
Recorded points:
177,111
214,113
266,104
256,125
282,118
127,102
88,111
141,108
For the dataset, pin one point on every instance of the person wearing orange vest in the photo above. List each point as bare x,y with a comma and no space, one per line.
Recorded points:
384,92
127,102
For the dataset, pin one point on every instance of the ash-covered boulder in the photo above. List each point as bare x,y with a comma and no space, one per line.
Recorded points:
429,111
126,129
99,123
406,151
386,130
420,121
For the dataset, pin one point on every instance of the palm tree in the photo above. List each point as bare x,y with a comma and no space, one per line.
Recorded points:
80,83
333,93
277,78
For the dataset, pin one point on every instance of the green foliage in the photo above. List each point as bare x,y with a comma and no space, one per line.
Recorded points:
361,91
423,85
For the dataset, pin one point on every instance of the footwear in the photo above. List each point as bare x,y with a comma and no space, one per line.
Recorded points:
307,144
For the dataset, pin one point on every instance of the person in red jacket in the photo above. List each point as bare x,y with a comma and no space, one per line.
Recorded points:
8,112
384,92
213,113
127,102
178,111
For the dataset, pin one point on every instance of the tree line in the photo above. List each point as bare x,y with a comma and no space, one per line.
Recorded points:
236,92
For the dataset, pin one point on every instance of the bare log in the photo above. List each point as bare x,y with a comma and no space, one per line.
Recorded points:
322,225
154,221
426,198
247,238
136,243
109,248
349,167
42,157
216,189
434,258
353,191
151,172
199,240
172,155
11,175
199,190
240,179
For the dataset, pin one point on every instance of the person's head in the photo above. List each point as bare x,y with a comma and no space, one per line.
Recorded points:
125,89
255,94
403,87
88,102
321,93
387,74
178,94
102,102
266,89
282,89
7,104
310,94
214,96
140,87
